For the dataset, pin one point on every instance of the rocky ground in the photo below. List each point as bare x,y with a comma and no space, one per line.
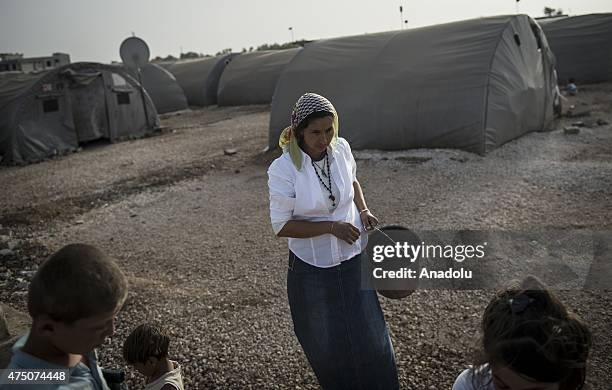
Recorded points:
189,225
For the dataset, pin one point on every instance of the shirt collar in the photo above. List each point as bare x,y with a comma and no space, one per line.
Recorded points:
23,359
330,153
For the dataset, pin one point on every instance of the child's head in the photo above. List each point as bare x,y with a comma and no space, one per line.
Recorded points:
74,297
145,347
530,338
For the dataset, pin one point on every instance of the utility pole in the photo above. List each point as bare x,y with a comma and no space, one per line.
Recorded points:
291,29
517,6
401,17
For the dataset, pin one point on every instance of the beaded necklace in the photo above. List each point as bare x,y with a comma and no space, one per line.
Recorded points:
321,168
327,186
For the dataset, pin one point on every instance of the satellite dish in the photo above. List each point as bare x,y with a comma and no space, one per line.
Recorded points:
134,53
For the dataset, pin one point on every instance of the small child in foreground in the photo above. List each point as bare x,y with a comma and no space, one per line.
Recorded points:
146,348
529,341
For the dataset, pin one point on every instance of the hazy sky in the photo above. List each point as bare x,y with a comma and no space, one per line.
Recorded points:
93,30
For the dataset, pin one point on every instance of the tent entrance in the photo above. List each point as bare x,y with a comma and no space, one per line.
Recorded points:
89,109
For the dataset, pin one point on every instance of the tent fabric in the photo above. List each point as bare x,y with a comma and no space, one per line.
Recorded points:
82,78
166,64
50,113
582,46
470,85
12,85
161,85
200,78
251,78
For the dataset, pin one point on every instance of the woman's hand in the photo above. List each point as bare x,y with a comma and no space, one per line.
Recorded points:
345,231
368,219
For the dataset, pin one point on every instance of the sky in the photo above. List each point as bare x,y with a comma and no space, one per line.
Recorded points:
93,30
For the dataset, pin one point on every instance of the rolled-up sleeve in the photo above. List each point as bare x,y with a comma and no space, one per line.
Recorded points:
282,195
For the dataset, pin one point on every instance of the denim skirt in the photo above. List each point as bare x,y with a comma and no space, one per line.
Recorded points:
340,326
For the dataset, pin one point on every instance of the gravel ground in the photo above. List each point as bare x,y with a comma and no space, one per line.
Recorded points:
189,226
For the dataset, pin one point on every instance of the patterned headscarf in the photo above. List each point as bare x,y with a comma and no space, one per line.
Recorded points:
307,104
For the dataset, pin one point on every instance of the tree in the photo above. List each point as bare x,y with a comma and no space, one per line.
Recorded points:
224,51
282,46
190,54
550,12
168,58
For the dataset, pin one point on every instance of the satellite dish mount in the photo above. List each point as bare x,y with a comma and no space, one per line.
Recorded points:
135,54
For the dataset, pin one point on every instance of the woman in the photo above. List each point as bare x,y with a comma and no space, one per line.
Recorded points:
317,202
529,341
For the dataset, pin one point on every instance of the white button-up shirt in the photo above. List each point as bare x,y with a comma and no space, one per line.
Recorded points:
297,195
